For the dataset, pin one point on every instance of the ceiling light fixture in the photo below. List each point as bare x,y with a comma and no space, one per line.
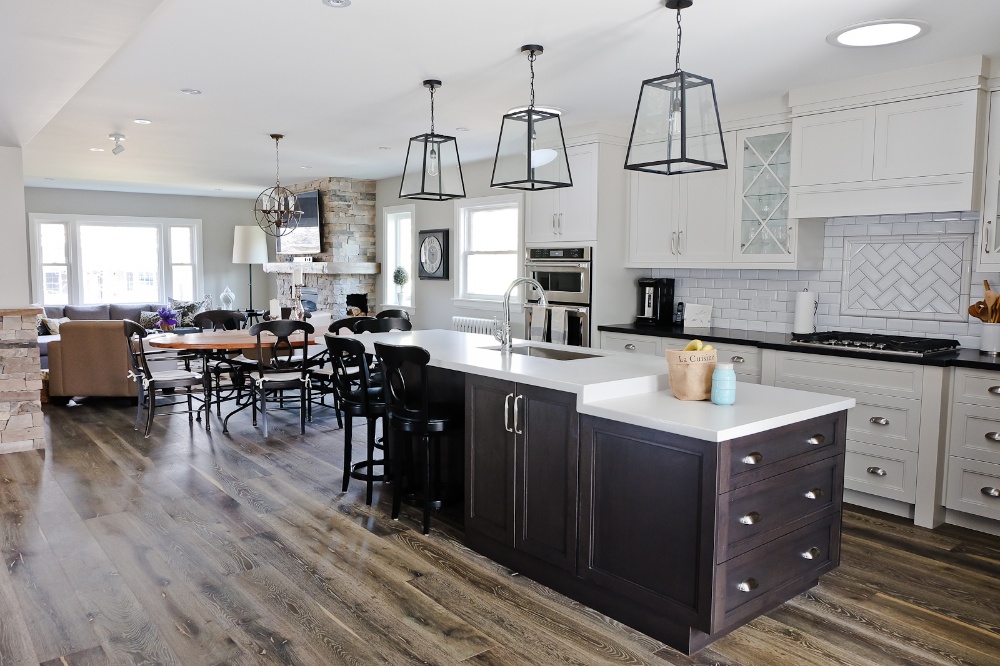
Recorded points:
142,121
878,33
97,150
531,151
190,91
338,4
676,127
432,171
117,138
275,207
461,129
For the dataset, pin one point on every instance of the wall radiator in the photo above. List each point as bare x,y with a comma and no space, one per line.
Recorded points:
472,325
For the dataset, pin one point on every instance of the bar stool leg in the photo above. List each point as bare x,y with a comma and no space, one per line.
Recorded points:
428,500
401,446
348,433
370,478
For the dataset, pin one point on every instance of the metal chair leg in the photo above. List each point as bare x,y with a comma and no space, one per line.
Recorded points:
348,433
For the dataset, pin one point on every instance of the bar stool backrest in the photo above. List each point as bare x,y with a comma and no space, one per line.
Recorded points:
404,380
383,325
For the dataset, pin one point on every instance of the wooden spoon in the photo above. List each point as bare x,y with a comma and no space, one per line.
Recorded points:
978,310
991,306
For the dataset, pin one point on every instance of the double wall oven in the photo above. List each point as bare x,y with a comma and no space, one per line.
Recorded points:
564,273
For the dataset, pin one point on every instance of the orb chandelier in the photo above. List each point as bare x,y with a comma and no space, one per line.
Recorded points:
275,208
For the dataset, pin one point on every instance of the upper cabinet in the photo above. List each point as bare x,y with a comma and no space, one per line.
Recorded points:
906,142
568,213
989,247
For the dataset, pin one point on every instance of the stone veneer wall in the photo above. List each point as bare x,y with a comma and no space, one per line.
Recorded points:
348,234
21,426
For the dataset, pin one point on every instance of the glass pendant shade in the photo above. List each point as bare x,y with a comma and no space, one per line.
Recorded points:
531,153
677,128
433,171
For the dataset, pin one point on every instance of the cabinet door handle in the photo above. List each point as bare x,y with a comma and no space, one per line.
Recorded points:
516,431
560,223
738,359
993,436
506,413
791,241
749,585
630,347
815,493
680,241
879,420
990,492
816,439
752,458
812,554
554,224
995,390
877,471
986,235
751,518
673,242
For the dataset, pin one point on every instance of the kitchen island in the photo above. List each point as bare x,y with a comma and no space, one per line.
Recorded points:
684,520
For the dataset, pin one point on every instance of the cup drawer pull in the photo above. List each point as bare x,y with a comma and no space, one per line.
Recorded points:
752,458
749,585
815,493
995,390
751,518
738,359
993,436
990,492
877,471
630,347
816,440
879,420
812,554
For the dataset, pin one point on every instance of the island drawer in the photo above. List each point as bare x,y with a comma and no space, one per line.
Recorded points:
977,387
879,470
756,457
975,432
973,487
744,584
754,514
635,344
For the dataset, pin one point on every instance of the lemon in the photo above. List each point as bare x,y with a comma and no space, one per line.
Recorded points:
707,348
694,345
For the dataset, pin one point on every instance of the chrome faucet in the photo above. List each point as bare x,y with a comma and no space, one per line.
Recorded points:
501,330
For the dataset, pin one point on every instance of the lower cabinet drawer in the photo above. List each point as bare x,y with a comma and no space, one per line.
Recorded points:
878,470
744,584
749,456
762,511
885,421
975,432
973,487
980,387
637,344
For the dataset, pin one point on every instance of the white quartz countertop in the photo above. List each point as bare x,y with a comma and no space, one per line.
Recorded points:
631,388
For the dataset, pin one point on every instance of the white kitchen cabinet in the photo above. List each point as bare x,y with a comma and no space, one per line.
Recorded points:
989,247
567,213
974,443
910,156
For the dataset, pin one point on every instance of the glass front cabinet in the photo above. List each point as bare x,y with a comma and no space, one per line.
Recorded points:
764,233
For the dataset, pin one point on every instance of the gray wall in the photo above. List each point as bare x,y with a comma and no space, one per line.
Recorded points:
219,216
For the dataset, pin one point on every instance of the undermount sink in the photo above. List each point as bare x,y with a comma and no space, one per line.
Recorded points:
547,352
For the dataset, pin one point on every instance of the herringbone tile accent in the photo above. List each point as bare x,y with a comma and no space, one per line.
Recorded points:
907,277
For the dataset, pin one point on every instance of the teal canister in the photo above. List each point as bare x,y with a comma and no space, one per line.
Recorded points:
723,384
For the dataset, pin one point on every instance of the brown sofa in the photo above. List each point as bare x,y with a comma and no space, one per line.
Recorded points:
89,359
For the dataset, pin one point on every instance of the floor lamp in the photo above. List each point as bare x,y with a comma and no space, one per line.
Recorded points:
249,247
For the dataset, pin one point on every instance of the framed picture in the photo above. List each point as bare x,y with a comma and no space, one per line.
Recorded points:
432,252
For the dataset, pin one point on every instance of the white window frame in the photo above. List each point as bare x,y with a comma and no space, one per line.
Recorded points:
388,286
462,299
75,270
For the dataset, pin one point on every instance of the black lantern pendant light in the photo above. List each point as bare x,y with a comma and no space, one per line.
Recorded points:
275,207
432,171
531,153
677,127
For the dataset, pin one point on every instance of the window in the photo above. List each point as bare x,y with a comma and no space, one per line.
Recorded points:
398,252
488,246
83,259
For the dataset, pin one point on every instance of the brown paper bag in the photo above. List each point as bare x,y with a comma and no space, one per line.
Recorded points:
691,373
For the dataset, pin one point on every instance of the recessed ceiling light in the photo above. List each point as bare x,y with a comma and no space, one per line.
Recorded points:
305,167
190,91
385,147
97,150
337,3
539,107
879,33
142,121
461,129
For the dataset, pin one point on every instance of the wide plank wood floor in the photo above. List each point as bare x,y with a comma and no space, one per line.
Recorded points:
194,548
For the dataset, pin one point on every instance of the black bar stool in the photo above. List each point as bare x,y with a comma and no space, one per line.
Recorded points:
413,417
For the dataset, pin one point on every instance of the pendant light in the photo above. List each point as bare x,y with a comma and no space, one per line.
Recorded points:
676,128
433,171
531,152
275,207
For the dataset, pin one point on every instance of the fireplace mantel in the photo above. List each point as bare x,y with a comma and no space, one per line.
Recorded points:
326,267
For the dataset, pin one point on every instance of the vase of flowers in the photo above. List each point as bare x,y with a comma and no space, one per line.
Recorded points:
168,318
400,277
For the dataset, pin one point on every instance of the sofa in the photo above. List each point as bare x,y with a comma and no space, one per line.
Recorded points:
88,356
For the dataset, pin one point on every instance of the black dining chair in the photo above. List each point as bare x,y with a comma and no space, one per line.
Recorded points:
358,396
220,320
221,363
413,418
382,325
345,324
397,314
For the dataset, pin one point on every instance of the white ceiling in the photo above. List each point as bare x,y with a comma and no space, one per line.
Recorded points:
340,83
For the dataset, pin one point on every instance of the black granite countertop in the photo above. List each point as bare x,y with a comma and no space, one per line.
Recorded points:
963,358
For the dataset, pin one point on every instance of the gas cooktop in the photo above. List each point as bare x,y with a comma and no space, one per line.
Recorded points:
876,344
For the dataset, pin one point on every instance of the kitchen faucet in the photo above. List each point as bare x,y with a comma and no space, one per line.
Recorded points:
501,330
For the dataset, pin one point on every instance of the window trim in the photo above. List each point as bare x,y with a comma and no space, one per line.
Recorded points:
74,274
387,282
461,298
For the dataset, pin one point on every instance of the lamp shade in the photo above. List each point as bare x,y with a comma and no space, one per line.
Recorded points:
677,128
531,152
433,171
249,246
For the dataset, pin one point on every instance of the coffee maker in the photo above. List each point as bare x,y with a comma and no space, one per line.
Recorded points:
656,302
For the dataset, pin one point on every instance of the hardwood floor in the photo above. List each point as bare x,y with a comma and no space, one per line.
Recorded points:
190,548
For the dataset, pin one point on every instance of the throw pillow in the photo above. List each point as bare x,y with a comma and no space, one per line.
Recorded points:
148,319
40,326
52,324
186,310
